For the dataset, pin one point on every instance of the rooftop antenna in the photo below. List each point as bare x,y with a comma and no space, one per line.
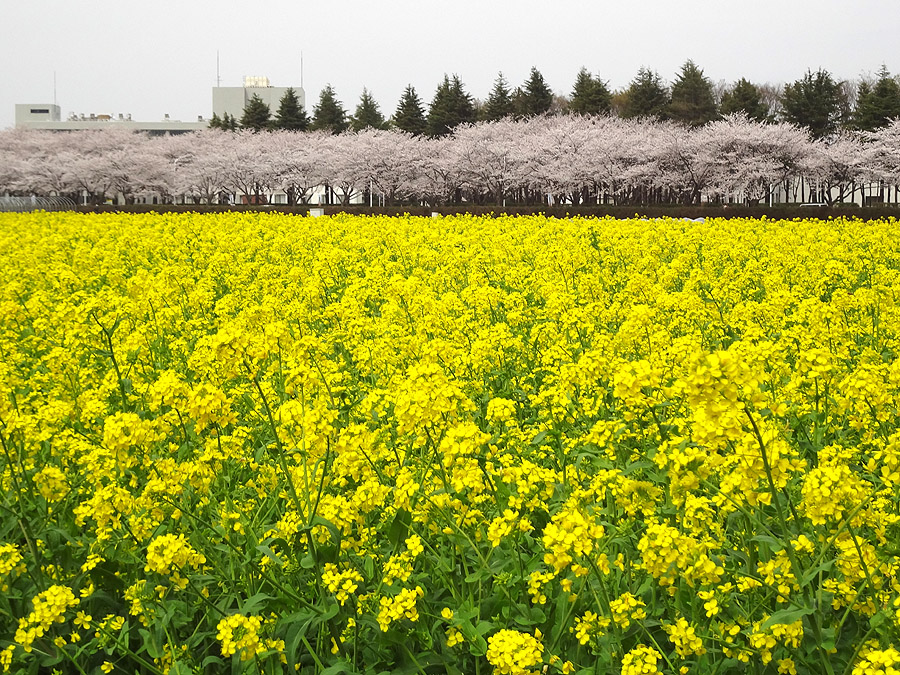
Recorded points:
218,79
54,87
301,69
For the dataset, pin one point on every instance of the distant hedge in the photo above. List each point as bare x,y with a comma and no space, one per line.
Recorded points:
656,211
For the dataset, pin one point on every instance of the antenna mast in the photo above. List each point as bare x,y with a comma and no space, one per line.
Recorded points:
301,69
54,87
218,79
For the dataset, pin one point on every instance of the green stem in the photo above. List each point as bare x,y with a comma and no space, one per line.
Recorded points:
795,563
281,456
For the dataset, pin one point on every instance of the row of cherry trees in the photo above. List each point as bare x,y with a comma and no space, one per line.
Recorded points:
580,160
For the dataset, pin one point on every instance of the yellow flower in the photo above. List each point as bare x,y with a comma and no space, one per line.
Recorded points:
641,660
49,608
878,662
169,553
400,606
683,635
239,634
513,653
570,533
83,620
342,583
627,608
454,637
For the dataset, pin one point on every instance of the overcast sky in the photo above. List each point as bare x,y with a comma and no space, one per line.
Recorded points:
151,58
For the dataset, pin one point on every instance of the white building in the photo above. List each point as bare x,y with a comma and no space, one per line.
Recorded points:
233,100
47,116
28,113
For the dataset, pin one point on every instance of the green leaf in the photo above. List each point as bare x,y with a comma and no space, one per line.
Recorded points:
789,615
332,528
637,466
809,575
829,639
250,605
771,541
483,627
645,586
478,646
51,659
339,667
150,644
329,613
295,634
478,575
399,527
537,615
179,668
265,550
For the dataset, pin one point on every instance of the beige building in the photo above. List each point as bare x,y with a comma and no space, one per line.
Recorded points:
233,100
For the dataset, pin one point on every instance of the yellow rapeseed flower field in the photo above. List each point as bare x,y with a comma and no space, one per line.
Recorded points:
266,443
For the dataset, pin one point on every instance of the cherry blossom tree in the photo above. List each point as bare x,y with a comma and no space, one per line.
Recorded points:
615,157
390,161
558,154
574,159
883,152
38,163
344,170
489,158
750,158
201,168
837,164
249,171
684,161
298,170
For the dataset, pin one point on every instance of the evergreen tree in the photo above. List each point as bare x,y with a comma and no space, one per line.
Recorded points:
367,114
692,100
499,103
410,114
816,102
257,115
229,122
451,106
329,115
877,104
536,97
590,95
745,97
291,115
215,122
646,96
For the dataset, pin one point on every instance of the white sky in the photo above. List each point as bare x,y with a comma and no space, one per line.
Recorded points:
151,58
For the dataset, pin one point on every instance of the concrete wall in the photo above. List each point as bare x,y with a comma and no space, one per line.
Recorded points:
153,128
36,112
233,100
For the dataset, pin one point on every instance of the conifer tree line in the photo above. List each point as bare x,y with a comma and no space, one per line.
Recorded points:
817,101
